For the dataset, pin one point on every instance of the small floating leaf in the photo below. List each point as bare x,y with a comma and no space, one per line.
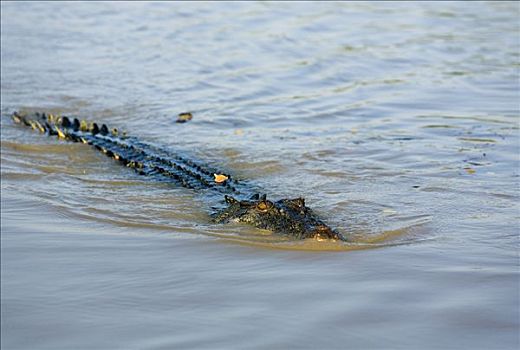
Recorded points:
470,170
220,178
184,117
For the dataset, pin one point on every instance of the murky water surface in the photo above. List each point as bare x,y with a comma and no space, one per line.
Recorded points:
398,122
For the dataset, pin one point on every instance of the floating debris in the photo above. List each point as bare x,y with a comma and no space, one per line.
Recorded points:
477,139
220,178
184,117
389,211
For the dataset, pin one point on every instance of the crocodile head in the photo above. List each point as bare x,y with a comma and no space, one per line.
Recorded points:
287,216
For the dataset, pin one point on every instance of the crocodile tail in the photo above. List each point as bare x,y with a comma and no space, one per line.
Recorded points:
34,121
143,158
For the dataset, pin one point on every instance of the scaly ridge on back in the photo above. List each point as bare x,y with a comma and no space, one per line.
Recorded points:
143,158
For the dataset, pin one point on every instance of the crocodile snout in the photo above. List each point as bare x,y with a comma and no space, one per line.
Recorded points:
324,232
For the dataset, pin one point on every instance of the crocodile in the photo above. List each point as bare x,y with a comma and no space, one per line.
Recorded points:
238,201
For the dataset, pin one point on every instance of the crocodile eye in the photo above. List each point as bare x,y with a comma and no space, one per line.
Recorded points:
263,206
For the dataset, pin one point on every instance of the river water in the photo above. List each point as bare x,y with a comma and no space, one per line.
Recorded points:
398,122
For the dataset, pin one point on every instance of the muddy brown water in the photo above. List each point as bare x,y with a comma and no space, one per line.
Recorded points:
398,122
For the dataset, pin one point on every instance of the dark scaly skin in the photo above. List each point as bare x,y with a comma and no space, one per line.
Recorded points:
285,216
290,217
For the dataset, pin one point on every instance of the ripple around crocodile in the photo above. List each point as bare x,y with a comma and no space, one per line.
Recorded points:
290,217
